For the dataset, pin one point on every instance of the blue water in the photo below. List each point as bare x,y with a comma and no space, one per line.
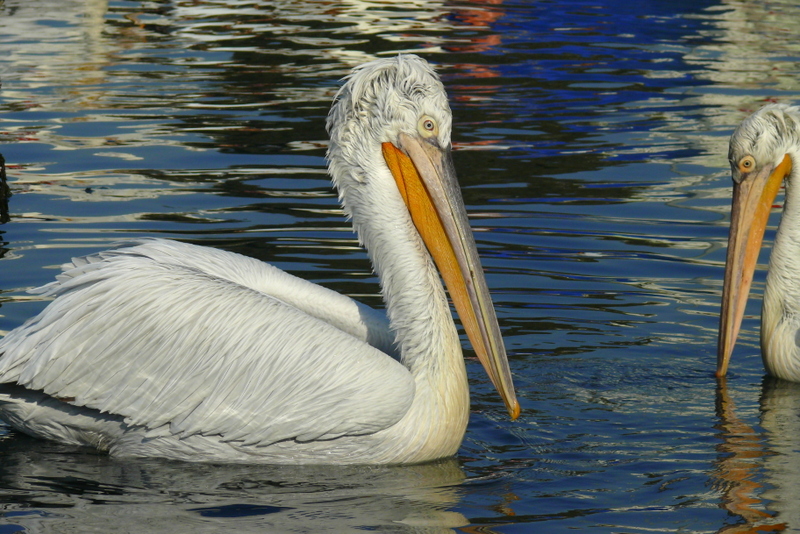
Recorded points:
591,144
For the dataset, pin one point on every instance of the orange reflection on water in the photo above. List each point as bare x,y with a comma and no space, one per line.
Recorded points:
735,474
481,16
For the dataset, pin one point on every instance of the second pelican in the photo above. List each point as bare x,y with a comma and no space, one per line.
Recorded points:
763,150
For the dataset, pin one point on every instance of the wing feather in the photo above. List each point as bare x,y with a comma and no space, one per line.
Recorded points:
162,342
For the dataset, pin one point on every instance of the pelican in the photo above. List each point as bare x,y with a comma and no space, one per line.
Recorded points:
763,150
164,349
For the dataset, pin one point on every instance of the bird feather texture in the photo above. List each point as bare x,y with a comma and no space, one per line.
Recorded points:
211,354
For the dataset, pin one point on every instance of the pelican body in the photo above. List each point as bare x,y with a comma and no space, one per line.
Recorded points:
763,152
164,349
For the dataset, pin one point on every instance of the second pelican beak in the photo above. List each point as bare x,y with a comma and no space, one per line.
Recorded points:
753,197
427,182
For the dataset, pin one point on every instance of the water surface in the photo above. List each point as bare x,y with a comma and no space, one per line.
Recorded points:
590,141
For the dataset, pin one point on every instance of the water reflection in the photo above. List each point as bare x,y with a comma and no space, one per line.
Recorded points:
736,475
47,41
5,192
48,488
780,419
758,468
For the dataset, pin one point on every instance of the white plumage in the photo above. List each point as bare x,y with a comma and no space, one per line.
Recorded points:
160,348
762,153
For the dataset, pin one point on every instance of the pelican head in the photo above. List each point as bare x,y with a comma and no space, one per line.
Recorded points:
390,146
761,154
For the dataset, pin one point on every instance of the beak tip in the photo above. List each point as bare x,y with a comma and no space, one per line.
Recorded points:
514,410
723,357
722,370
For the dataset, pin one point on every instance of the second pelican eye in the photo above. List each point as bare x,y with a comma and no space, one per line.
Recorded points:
428,127
747,164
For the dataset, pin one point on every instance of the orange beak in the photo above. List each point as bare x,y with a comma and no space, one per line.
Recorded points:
752,201
427,182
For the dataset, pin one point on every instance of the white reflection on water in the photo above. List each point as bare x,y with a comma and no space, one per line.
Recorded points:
98,494
780,421
758,469
43,42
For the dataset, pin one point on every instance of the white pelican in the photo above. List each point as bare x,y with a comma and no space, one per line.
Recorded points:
170,350
763,150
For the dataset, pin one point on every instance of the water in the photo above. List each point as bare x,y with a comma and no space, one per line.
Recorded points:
591,144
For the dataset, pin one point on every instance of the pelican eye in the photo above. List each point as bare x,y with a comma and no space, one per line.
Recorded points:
427,127
747,164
